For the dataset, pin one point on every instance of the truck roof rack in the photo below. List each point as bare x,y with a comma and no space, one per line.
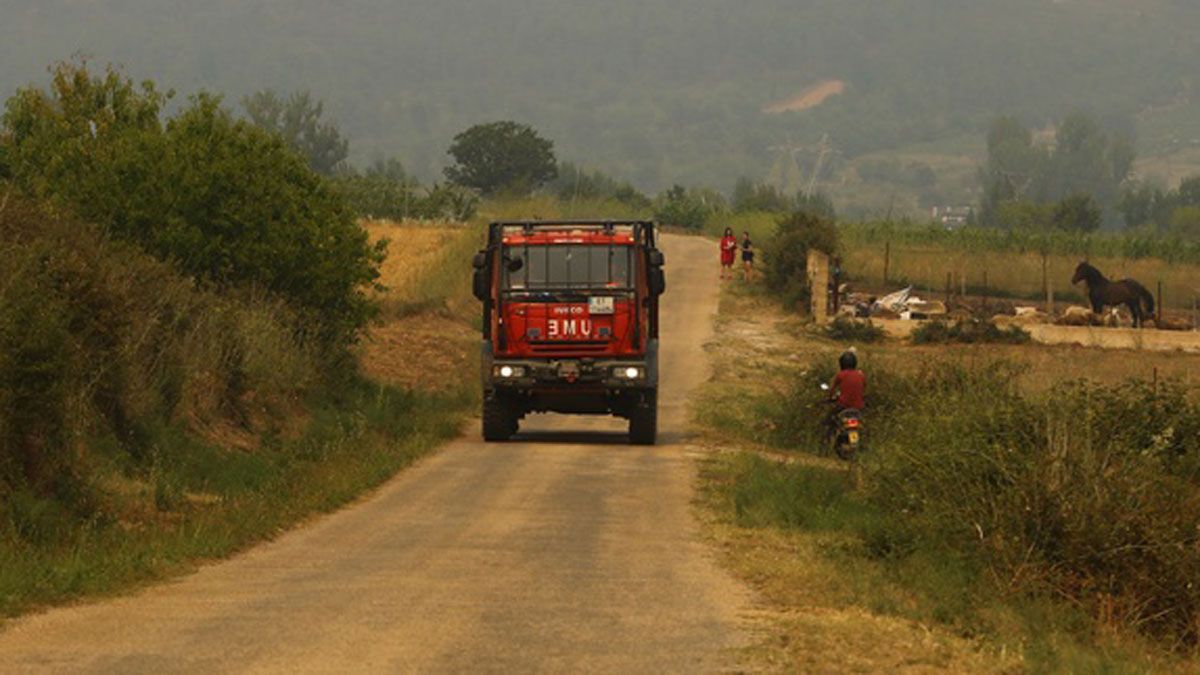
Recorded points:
643,229
569,223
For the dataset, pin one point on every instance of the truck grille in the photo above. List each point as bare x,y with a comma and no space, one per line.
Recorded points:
572,347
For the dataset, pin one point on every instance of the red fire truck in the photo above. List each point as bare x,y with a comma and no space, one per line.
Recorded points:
570,322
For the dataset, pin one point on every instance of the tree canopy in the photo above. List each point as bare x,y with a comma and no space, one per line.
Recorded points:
501,156
229,203
297,119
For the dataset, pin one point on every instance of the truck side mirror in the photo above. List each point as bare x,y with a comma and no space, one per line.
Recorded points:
656,258
658,281
479,280
479,285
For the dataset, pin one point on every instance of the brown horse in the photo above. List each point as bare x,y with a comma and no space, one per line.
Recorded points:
1104,293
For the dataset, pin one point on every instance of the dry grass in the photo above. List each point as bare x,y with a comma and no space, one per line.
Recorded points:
411,248
427,329
827,607
417,352
1011,273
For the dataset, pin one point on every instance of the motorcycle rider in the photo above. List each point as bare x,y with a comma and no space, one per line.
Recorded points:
848,388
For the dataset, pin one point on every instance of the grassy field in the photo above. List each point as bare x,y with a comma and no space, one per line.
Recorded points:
998,263
807,534
208,495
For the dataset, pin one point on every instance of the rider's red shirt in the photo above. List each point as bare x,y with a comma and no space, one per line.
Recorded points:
851,386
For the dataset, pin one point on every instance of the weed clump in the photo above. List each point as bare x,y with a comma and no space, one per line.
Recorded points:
968,331
846,329
1090,492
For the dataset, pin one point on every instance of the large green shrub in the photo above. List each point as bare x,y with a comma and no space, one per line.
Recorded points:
1089,492
98,340
229,203
786,271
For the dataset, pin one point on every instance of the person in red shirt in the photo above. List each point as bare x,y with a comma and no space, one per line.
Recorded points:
850,384
728,251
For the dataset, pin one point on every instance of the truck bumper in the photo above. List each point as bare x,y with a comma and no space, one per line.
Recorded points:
585,385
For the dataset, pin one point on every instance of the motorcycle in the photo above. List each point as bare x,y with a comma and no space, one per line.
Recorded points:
847,434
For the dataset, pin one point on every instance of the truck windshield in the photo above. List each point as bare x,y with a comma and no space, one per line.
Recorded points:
570,266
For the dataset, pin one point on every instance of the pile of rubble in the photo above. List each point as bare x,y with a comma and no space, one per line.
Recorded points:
903,305
899,305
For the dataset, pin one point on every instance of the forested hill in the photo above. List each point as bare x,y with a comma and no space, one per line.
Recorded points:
655,91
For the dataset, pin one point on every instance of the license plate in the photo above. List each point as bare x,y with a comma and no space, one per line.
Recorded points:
853,437
600,305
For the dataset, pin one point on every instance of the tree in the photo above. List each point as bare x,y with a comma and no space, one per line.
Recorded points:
1012,164
1185,223
1078,213
1023,214
298,120
1084,159
227,202
575,182
501,157
786,271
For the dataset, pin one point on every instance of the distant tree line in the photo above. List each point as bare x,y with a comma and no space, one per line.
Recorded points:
1070,182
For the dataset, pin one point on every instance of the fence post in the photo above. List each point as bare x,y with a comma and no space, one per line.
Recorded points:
1049,297
887,259
1159,315
985,291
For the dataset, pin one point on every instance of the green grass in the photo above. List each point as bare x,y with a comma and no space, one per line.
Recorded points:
199,502
859,558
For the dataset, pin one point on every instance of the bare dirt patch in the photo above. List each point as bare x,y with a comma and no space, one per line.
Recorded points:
809,98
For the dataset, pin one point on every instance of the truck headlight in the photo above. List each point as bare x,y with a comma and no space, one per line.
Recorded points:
508,371
627,372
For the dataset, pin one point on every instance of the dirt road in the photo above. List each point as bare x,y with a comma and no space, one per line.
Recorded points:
563,550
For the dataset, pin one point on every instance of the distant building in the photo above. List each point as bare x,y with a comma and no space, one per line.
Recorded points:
953,217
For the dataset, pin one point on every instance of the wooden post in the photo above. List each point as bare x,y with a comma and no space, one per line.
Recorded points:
985,290
887,259
949,288
1045,277
1049,297
1158,316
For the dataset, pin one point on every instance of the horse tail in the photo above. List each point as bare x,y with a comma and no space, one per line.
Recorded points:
1146,297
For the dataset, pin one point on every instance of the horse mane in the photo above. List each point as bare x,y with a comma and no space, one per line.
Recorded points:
1089,273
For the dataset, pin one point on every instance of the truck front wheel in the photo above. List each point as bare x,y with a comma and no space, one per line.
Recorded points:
643,421
499,418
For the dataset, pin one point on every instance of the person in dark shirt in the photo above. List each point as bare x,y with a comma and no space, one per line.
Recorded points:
747,255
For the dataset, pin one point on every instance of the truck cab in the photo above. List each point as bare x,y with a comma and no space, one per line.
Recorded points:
570,322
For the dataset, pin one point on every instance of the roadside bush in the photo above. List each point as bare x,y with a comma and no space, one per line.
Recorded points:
846,329
225,201
1090,492
786,270
968,331
100,341
689,209
385,197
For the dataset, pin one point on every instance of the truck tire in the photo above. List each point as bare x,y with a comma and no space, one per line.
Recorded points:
499,419
643,421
